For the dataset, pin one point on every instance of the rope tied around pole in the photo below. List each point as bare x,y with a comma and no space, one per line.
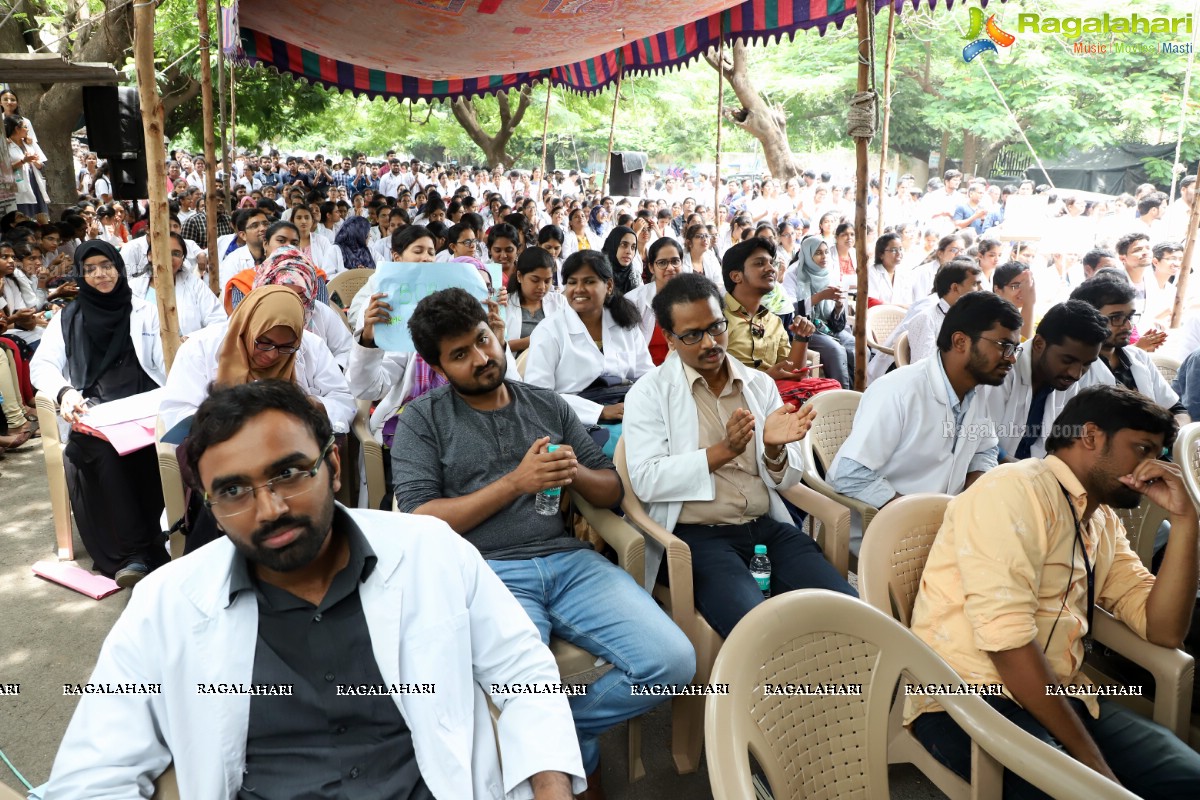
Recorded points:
862,115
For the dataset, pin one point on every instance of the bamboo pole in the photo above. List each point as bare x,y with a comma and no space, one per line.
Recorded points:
545,132
612,128
720,116
210,148
232,121
221,100
1189,249
860,206
1183,106
160,218
889,52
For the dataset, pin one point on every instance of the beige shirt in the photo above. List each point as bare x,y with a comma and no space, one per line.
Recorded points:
997,571
741,496
761,351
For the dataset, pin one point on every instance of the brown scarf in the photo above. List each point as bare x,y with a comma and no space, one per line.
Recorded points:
262,310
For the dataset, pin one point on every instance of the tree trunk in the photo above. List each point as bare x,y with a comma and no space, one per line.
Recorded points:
764,122
494,147
970,151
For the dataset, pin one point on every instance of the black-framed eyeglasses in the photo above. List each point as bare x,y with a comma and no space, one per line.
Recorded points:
663,263
1117,320
284,349
694,337
1007,349
230,501
467,243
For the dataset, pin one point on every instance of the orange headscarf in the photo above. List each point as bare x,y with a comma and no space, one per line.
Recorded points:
262,310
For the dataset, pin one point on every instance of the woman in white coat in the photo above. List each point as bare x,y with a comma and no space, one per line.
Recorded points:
288,266
592,351
531,297
105,346
264,339
578,236
700,256
666,261
197,306
325,255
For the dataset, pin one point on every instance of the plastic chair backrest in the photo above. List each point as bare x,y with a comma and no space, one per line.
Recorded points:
882,320
1167,366
347,284
835,414
1187,455
893,556
903,353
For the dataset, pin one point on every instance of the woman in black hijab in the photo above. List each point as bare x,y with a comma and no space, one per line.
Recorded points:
105,346
621,249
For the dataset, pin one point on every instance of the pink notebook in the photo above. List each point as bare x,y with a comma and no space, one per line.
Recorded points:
94,586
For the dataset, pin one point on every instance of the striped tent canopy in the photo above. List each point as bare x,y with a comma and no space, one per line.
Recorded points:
443,49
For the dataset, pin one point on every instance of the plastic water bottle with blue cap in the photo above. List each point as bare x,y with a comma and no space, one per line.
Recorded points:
547,501
760,568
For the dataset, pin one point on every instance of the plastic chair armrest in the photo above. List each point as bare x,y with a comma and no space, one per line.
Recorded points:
679,563
834,535
1173,671
372,454
629,544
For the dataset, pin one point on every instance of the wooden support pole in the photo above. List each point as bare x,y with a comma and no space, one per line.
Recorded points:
232,122
221,90
860,205
211,211
720,117
545,132
160,218
1189,250
612,128
889,52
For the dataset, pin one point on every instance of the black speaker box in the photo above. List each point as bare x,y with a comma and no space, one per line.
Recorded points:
621,183
114,123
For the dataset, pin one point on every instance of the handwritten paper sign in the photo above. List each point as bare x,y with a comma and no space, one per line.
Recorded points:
407,284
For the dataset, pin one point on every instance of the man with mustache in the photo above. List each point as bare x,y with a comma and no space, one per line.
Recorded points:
315,651
924,428
709,443
475,454
1021,559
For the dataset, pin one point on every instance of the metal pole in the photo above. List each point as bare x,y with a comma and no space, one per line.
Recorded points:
720,117
612,128
210,148
860,206
160,220
889,53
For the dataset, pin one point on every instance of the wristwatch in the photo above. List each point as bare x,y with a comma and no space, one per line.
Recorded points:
804,339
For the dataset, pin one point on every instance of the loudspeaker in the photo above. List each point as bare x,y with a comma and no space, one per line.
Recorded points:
114,123
620,182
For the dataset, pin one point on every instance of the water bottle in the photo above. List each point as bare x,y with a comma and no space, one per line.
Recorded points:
547,500
760,568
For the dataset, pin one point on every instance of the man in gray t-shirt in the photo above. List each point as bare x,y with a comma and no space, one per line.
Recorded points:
474,454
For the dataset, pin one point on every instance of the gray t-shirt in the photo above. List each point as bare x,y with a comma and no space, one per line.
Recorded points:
444,448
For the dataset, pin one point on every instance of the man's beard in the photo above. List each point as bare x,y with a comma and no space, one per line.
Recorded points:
977,369
481,387
1112,492
301,552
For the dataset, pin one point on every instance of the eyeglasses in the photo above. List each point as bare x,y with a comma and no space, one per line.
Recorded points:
177,254
894,251
1117,320
284,349
230,501
92,269
663,263
467,243
714,330
1007,349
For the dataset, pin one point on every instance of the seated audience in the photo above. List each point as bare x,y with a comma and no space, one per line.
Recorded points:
710,444
823,302
245,612
1007,592
106,346
197,306
1014,282
918,280
954,281
474,454
621,247
288,266
924,428
531,296
251,225
666,261
1047,374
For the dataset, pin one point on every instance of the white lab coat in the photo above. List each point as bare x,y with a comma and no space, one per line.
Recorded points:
887,291
563,357
328,324
455,626
643,298
552,303
326,256
661,431
197,307
48,367
195,367
237,261
571,243
917,283
1149,380
1008,406
904,431
710,266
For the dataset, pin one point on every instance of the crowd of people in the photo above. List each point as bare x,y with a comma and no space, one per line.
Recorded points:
667,330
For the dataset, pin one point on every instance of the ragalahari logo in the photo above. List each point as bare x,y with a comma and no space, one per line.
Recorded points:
995,36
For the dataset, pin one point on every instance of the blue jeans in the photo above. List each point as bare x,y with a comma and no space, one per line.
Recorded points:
580,596
1147,759
725,590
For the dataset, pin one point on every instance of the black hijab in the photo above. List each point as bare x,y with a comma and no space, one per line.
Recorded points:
96,325
623,277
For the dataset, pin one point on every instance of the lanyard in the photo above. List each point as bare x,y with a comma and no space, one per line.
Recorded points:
1087,564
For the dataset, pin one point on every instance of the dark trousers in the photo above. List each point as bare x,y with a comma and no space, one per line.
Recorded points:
1147,759
724,589
837,356
117,501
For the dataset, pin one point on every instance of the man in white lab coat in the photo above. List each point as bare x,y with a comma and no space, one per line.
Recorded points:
923,428
1120,362
1047,375
709,443
315,646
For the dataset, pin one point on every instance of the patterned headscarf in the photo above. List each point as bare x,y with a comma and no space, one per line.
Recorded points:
288,266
